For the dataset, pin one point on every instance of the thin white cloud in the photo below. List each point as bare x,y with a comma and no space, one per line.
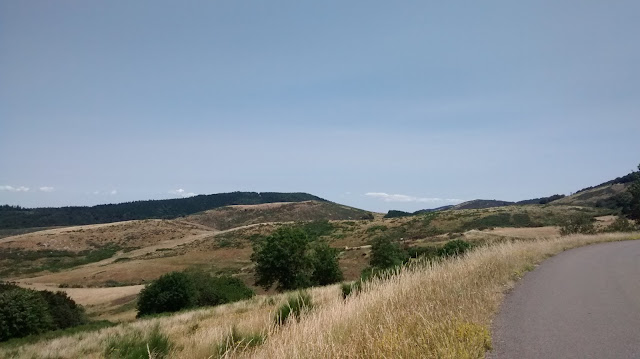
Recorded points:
14,189
111,193
182,193
46,189
405,198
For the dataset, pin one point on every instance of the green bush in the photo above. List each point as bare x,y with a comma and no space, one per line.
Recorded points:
218,290
295,306
137,345
578,223
621,224
180,290
169,293
23,312
64,310
454,248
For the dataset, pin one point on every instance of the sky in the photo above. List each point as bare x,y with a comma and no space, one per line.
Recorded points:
375,104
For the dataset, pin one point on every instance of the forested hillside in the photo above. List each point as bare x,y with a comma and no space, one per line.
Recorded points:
18,217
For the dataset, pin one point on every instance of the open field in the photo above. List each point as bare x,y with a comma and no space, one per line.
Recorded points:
451,303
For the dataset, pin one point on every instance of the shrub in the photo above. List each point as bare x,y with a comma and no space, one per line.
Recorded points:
454,248
192,288
522,220
23,312
64,310
326,269
416,252
490,221
578,223
6,286
136,345
169,293
218,290
621,224
351,288
236,341
295,306
386,254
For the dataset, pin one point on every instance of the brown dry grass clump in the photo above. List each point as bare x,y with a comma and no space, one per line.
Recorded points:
427,310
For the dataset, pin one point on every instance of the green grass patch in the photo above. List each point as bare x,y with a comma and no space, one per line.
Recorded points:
236,342
136,345
295,306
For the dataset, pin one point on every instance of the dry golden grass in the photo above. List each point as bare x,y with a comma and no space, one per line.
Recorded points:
441,310
128,234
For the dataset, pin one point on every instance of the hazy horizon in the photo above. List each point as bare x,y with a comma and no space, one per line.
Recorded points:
405,105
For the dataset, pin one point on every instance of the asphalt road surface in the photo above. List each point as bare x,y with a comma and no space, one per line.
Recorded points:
582,303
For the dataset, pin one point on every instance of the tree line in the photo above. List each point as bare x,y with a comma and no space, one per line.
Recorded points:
12,217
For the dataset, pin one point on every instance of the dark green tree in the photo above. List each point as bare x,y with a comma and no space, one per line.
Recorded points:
282,259
386,254
65,311
326,269
169,293
634,207
23,312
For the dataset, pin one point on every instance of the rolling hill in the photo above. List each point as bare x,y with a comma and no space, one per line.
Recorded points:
242,215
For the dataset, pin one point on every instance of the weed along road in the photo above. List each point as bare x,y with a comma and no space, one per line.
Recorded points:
582,303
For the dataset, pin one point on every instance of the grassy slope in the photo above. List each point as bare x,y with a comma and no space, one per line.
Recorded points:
592,196
451,307
238,216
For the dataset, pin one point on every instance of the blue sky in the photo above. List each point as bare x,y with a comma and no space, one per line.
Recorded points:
380,105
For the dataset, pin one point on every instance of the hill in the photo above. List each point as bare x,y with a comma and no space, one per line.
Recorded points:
608,196
482,203
242,215
16,217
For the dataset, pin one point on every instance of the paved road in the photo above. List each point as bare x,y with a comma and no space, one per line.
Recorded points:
583,303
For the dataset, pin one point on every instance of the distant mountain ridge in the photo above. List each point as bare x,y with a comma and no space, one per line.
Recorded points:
18,217
611,194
